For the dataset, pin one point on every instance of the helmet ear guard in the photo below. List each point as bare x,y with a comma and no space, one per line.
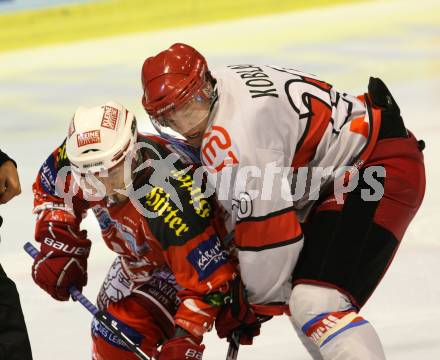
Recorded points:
209,90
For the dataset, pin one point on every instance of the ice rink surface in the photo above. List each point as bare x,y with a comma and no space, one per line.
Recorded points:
398,41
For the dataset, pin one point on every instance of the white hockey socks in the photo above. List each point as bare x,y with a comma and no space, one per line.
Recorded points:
331,324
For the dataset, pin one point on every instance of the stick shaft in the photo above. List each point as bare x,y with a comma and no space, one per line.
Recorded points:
99,315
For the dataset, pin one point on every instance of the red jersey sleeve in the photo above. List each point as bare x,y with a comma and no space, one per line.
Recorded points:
54,194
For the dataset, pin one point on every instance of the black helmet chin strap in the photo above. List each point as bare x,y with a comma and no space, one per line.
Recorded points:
213,99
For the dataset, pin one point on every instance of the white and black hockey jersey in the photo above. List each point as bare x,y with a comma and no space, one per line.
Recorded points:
269,128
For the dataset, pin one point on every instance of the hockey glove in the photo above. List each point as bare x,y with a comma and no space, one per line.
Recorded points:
238,316
181,348
62,261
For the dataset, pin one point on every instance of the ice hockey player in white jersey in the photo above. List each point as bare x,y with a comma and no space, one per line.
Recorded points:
319,186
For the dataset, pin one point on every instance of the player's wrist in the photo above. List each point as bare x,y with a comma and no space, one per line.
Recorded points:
181,332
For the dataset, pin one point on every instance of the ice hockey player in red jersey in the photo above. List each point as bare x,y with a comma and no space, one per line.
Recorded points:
355,179
151,214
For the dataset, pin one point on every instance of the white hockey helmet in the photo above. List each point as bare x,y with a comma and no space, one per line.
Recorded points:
100,137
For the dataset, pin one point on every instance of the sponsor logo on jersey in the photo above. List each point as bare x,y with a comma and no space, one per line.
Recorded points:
88,138
48,175
103,332
158,201
201,205
162,291
208,257
218,150
110,117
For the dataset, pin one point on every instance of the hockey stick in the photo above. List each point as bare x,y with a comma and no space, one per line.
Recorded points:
234,345
234,340
99,315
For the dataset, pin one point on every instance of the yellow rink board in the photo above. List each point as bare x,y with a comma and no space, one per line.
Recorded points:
107,18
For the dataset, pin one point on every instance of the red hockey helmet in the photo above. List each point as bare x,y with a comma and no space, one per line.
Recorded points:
172,78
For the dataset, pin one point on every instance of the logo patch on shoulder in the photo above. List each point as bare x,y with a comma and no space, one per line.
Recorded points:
48,175
218,149
208,257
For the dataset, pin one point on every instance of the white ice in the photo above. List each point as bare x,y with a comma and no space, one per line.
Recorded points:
398,41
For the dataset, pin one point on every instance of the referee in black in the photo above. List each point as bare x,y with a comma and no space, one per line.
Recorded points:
14,340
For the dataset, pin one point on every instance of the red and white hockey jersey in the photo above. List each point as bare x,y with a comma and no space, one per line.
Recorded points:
160,226
269,128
